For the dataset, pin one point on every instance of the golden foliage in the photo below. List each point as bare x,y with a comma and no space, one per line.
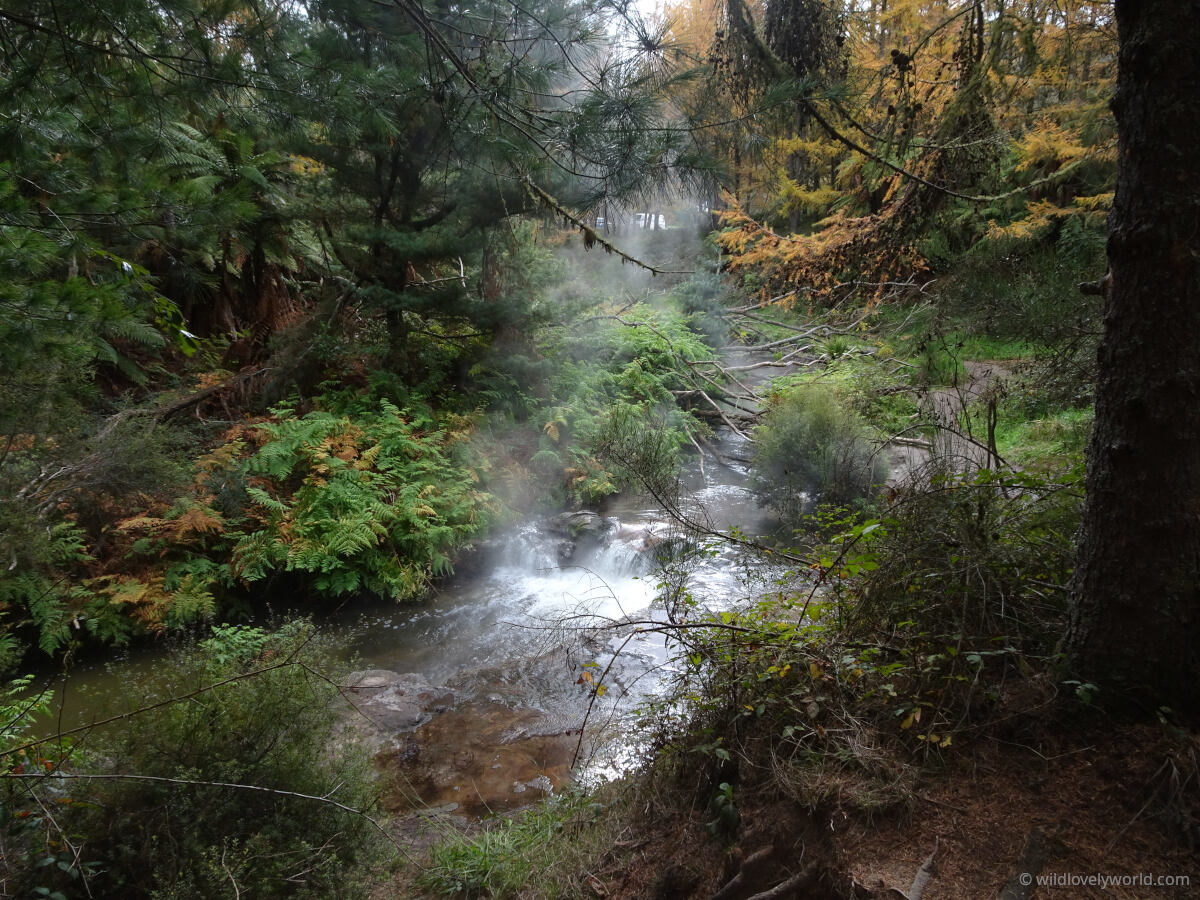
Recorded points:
979,105
813,266
195,520
220,459
148,600
1048,147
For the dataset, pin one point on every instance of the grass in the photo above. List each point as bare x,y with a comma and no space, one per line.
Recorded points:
988,347
1046,442
542,852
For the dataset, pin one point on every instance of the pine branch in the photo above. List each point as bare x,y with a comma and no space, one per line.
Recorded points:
590,238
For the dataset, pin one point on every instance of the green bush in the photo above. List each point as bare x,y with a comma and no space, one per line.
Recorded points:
1028,291
607,374
153,810
63,494
702,299
811,446
976,558
899,636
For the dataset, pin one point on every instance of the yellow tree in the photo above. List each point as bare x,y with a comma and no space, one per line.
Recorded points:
947,115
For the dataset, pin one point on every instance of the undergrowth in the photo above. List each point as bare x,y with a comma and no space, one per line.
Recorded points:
544,851
229,774
812,445
903,634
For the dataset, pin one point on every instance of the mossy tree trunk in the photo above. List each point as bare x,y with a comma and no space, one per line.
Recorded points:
1135,617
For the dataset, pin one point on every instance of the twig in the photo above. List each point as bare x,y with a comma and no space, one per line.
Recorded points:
699,452
596,693
237,892
788,888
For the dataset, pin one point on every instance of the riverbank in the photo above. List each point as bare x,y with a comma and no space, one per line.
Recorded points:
882,662
1049,809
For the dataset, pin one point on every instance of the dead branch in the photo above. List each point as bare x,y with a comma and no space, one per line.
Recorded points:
699,452
725,418
782,342
924,874
695,392
824,329
790,887
919,443
784,362
772,322
723,458
200,396
596,693
751,394
734,886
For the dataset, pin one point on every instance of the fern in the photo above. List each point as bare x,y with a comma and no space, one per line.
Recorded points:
374,501
48,609
265,500
191,602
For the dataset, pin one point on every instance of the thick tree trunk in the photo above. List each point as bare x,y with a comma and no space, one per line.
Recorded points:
1135,617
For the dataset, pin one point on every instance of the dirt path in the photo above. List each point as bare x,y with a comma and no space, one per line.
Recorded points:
965,447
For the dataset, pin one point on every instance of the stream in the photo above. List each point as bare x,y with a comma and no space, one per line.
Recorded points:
491,678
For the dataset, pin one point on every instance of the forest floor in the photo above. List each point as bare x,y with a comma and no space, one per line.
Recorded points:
1091,808
1105,804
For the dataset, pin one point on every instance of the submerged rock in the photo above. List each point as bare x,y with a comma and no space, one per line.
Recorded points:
580,530
485,757
581,525
393,702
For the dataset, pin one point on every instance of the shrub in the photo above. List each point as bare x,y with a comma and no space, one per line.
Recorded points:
899,635
975,559
152,809
62,494
811,445
701,298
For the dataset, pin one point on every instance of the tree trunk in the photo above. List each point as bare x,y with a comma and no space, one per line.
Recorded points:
1135,615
